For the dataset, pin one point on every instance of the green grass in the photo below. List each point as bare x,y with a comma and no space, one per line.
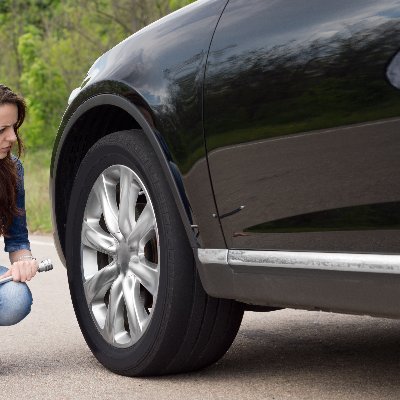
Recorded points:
37,165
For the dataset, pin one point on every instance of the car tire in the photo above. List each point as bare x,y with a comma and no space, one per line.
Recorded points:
140,313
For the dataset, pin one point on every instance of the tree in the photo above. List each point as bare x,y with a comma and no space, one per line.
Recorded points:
50,44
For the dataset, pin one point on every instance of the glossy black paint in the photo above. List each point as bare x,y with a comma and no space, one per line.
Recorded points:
160,70
368,217
299,115
164,65
301,120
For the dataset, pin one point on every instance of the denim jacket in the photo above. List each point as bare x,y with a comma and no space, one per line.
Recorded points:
17,235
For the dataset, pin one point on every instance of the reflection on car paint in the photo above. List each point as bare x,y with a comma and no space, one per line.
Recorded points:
356,218
300,118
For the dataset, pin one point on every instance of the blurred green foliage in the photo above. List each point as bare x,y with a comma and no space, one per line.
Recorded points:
48,46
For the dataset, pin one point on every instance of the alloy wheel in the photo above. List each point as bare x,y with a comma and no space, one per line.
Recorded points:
120,256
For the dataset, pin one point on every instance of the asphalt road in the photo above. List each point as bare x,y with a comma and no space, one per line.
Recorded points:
285,354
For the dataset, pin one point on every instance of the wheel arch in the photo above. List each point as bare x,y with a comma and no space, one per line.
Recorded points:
89,118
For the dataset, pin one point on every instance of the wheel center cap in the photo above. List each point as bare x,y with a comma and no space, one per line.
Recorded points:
123,255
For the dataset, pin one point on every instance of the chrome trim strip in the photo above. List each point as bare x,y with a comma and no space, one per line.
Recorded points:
375,263
213,256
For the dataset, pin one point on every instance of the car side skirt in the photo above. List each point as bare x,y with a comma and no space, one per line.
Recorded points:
337,282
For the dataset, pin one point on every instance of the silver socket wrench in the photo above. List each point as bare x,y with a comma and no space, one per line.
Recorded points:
44,266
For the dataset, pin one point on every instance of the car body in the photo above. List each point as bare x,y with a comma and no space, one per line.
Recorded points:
275,124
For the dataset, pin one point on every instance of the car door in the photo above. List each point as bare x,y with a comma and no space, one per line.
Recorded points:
301,125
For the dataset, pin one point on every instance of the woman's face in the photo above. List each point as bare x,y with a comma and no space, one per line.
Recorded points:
8,120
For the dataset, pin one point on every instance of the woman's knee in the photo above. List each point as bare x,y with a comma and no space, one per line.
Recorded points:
15,302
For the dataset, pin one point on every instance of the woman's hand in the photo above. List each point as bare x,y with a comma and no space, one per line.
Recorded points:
22,271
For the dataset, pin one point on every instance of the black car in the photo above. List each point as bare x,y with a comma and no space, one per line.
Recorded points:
234,155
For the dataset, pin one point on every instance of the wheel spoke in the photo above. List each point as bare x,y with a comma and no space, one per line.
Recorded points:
98,284
147,273
129,191
114,317
145,223
134,306
106,193
94,237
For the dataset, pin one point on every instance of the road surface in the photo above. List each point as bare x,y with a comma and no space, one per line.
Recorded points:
285,354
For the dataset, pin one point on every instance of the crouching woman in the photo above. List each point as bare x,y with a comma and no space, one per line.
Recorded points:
15,296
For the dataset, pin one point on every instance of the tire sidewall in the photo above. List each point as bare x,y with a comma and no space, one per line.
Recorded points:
103,155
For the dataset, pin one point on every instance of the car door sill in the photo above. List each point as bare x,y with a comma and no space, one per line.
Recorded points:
340,282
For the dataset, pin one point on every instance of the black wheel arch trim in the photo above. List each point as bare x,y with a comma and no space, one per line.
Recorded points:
171,171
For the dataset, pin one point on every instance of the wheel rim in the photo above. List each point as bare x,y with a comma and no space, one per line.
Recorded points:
120,256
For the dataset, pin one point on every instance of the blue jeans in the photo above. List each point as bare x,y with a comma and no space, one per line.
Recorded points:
15,301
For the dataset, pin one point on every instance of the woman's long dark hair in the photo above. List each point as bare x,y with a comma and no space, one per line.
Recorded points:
8,170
